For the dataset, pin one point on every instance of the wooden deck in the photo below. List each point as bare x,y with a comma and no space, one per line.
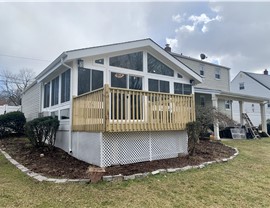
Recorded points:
121,110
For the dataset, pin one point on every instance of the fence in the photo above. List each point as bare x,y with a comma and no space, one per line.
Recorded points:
6,109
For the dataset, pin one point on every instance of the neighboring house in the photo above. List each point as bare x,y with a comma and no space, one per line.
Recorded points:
215,90
117,104
248,83
7,109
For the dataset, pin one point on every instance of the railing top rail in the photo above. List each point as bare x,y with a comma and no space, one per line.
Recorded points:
87,93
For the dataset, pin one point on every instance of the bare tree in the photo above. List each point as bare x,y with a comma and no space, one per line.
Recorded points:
14,84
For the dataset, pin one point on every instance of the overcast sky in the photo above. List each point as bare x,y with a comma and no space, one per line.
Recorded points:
236,35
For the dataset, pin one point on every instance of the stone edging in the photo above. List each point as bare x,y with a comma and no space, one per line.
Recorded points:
119,177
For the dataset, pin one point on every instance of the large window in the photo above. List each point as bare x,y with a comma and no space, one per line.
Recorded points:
180,88
55,91
65,86
132,61
157,67
46,95
158,85
89,80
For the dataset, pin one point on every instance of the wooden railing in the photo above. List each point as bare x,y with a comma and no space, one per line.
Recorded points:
121,110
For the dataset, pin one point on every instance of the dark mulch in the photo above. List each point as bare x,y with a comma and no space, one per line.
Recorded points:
61,165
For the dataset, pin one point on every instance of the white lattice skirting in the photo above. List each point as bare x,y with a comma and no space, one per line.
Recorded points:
133,147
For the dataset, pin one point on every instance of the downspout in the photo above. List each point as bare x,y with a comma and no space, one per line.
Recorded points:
71,106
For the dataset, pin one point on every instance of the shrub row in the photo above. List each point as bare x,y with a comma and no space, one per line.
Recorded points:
12,122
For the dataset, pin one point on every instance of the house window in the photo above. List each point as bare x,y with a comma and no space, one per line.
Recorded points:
157,67
54,114
252,107
268,104
46,95
135,83
241,86
99,61
184,89
89,80
227,104
217,73
132,61
202,70
65,86
55,91
179,75
202,101
64,114
158,85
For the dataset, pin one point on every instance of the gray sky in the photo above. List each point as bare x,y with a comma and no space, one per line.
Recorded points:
232,34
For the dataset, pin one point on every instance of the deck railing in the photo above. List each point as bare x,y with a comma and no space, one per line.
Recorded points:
121,110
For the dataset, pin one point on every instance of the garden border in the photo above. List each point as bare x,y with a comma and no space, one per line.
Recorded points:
113,178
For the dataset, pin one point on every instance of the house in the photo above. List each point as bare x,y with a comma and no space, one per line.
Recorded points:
117,104
248,83
214,90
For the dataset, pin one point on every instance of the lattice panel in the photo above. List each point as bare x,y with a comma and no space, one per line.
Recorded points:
165,145
133,147
124,148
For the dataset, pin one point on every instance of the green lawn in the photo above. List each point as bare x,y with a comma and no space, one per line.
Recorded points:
242,182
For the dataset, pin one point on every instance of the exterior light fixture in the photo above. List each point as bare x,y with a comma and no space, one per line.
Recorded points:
80,63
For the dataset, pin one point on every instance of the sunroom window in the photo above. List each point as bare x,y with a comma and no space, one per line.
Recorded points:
65,86
180,88
132,61
99,61
46,95
155,85
89,80
157,67
55,91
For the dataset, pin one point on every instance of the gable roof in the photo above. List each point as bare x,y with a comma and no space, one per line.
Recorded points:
262,79
70,55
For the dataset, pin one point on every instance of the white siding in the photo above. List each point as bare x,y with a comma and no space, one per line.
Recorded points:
209,80
31,102
253,88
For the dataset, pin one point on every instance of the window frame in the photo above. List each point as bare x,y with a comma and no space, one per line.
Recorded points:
55,93
217,74
162,64
227,104
66,87
241,85
183,87
159,81
46,98
202,101
202,71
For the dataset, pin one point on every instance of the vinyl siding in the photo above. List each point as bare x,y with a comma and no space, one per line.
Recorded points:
31,102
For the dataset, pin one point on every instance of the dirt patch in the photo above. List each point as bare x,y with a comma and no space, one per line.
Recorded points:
61,165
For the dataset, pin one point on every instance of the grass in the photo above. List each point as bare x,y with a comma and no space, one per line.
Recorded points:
243,182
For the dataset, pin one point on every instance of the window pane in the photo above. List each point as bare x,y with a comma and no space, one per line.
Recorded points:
179,75
97,79
118,80
178,88
64,114
153,85
55,91
135,83
83,80
187,89
129,61
46,95
164,86
99,61
157,67
65,86
54,114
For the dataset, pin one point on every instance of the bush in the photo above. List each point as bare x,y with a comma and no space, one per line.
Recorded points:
12,122
193,131
41,131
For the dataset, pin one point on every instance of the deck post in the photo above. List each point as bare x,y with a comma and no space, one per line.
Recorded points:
263,118
106,108
241,112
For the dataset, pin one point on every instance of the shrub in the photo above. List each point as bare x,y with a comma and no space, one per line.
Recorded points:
193,131
12,122
41,131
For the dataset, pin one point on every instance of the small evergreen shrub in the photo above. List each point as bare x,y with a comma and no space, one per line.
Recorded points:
193,131
12,122
42,131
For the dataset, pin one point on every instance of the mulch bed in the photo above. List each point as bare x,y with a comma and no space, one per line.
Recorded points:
59,164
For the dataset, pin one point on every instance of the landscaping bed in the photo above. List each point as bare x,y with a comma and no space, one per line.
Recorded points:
59,164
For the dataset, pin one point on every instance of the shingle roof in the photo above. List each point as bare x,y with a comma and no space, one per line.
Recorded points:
260,78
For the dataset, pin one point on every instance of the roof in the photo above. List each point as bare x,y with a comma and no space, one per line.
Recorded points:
263,79
71,55
198,60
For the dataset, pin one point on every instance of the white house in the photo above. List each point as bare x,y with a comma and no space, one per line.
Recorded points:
253,84
117,104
